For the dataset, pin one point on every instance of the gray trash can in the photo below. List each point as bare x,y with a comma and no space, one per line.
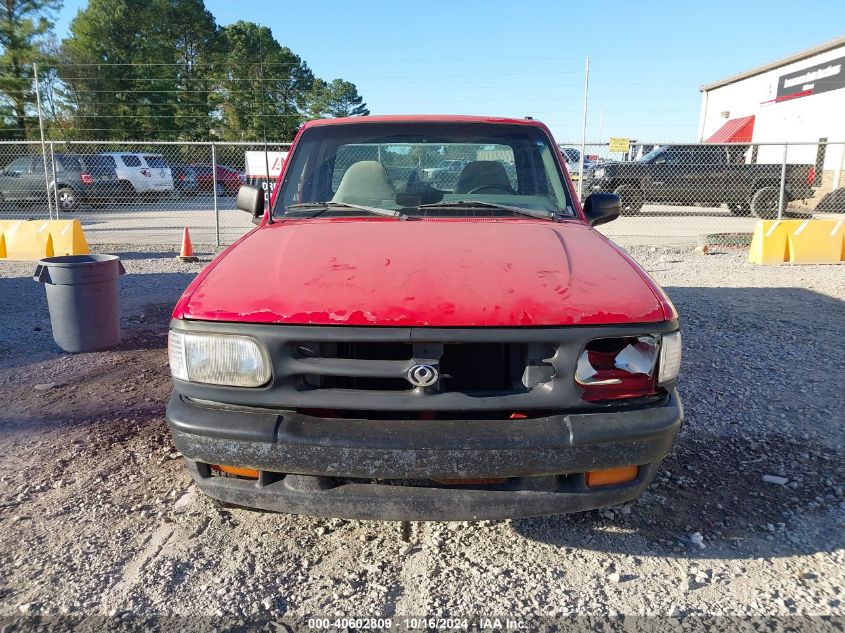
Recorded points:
82,298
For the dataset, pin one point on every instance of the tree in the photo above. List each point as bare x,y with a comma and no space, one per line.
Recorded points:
336,99
194,34
141,70
317,100
162,69
264,85
23,25
344,100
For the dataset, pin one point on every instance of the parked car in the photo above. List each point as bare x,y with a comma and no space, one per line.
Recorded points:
365,358
100,185
23,181
185,179
445,174
709,175
229,179
572,156
141,173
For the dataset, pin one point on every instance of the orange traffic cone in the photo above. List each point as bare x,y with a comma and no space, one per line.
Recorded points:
187,252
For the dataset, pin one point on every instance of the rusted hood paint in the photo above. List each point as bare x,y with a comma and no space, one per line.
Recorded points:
424,273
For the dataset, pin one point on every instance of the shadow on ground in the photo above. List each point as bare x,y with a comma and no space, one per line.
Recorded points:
146,301
131,255
762,384
762,379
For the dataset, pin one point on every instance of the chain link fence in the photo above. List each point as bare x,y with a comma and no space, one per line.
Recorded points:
147,192
136,192
709,193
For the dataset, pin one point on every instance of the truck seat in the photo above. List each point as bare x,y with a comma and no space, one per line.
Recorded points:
482,173
366,183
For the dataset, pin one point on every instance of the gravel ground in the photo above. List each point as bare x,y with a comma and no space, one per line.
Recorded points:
99,518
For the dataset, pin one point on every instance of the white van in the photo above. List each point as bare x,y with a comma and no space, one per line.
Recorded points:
142,173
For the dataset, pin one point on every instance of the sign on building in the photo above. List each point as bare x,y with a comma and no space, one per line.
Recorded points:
813,80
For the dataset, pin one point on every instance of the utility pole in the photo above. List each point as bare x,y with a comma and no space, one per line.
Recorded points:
583,130
43,145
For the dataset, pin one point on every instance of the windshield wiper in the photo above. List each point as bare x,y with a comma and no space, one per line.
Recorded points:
345,205
465,204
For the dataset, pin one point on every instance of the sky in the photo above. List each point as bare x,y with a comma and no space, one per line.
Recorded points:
527,57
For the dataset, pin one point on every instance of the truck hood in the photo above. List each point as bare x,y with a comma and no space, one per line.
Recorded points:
437,273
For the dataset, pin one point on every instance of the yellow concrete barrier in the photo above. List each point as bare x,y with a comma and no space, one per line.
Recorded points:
35,239
798,242
68,238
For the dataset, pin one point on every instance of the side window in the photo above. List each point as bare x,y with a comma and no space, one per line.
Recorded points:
679,155
19,165
67,163
714,155
156,162
131,161
556,191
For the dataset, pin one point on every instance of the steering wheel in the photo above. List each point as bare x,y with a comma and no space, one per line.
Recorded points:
504,188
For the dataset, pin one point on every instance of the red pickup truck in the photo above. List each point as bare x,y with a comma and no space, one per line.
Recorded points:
382,348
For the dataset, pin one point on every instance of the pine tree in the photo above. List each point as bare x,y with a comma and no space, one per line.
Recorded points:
23,27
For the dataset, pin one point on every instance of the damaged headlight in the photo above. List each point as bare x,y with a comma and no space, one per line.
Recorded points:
627,367
218,359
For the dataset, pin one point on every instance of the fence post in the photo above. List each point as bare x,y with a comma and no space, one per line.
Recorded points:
43,148
837,172
214,189
53,174
782,195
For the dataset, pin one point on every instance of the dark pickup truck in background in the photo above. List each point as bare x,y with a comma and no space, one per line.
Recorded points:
708,175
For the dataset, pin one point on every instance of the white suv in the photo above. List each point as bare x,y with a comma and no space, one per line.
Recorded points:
142,173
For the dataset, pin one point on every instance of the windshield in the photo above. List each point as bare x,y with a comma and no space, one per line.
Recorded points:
424,169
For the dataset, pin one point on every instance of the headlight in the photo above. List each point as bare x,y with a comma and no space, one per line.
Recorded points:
218,359
627,367
670,358
599,173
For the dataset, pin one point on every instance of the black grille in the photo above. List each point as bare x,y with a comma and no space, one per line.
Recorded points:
478,368
483,367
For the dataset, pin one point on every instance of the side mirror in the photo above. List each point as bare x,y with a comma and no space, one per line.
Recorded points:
602,207
251,200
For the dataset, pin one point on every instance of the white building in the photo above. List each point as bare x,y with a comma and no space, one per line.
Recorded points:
798,99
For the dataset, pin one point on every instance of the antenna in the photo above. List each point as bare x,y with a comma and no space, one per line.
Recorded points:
264,129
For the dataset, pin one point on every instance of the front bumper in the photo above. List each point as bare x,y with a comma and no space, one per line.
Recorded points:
385,469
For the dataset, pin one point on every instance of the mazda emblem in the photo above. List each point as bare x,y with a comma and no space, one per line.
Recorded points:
422,375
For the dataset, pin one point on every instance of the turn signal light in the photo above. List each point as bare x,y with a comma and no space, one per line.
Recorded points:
249,473
610,476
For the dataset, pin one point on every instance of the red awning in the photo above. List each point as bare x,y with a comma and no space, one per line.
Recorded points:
734,131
